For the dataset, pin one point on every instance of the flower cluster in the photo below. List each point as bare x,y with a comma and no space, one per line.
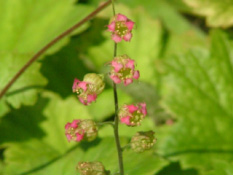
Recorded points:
123,69
81,130
132,115
121,28
89,88
92,168
142,141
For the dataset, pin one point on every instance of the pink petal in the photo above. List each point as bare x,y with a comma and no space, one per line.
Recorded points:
91,98
143,108
136,74
127,36
116,38
111,27
115,78
126,120
132,108
117,66
129,25
83,85
121,17
69,137
67,126
130,64
82,100
128,81
76,81
79,137
74,124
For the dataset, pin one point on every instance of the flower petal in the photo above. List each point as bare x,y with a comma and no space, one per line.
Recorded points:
82,100
117,66
128,36
79,137
76,81
116,38
121,17
91,98
111,27
69,137
74,124
67,126
128,81
132,108
129,25
115,78
143,108
126,120
136,74
130,64
83,85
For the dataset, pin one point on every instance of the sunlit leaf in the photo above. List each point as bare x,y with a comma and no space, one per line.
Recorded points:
26,26
46,150
198,90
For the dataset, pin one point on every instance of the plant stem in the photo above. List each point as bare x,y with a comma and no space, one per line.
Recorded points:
51,43
116,134
113,8
116,120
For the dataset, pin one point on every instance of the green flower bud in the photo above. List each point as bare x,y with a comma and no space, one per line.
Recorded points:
92,168
96,82
142,141
90,129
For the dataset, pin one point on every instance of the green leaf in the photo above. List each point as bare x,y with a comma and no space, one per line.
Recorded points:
197,90
26,26
217,13
44,148
168,14
175,169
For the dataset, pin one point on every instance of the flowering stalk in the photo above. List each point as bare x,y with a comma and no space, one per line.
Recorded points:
116,120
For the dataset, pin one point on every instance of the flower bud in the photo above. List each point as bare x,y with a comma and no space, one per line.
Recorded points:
90,129
142,141
123,69
121,28
92,168
81,130
132,115
89,88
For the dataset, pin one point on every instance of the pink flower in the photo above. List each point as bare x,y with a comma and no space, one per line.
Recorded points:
79,130
132,115
71,130
123,70
121,28
88,89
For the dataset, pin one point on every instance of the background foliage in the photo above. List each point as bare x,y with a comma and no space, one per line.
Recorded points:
183,50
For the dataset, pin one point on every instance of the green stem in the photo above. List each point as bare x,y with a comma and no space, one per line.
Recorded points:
116,120
116,134
113,8
51,43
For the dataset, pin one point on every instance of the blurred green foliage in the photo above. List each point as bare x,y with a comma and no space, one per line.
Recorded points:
186,80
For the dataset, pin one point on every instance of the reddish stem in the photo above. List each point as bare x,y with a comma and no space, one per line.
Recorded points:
51,43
